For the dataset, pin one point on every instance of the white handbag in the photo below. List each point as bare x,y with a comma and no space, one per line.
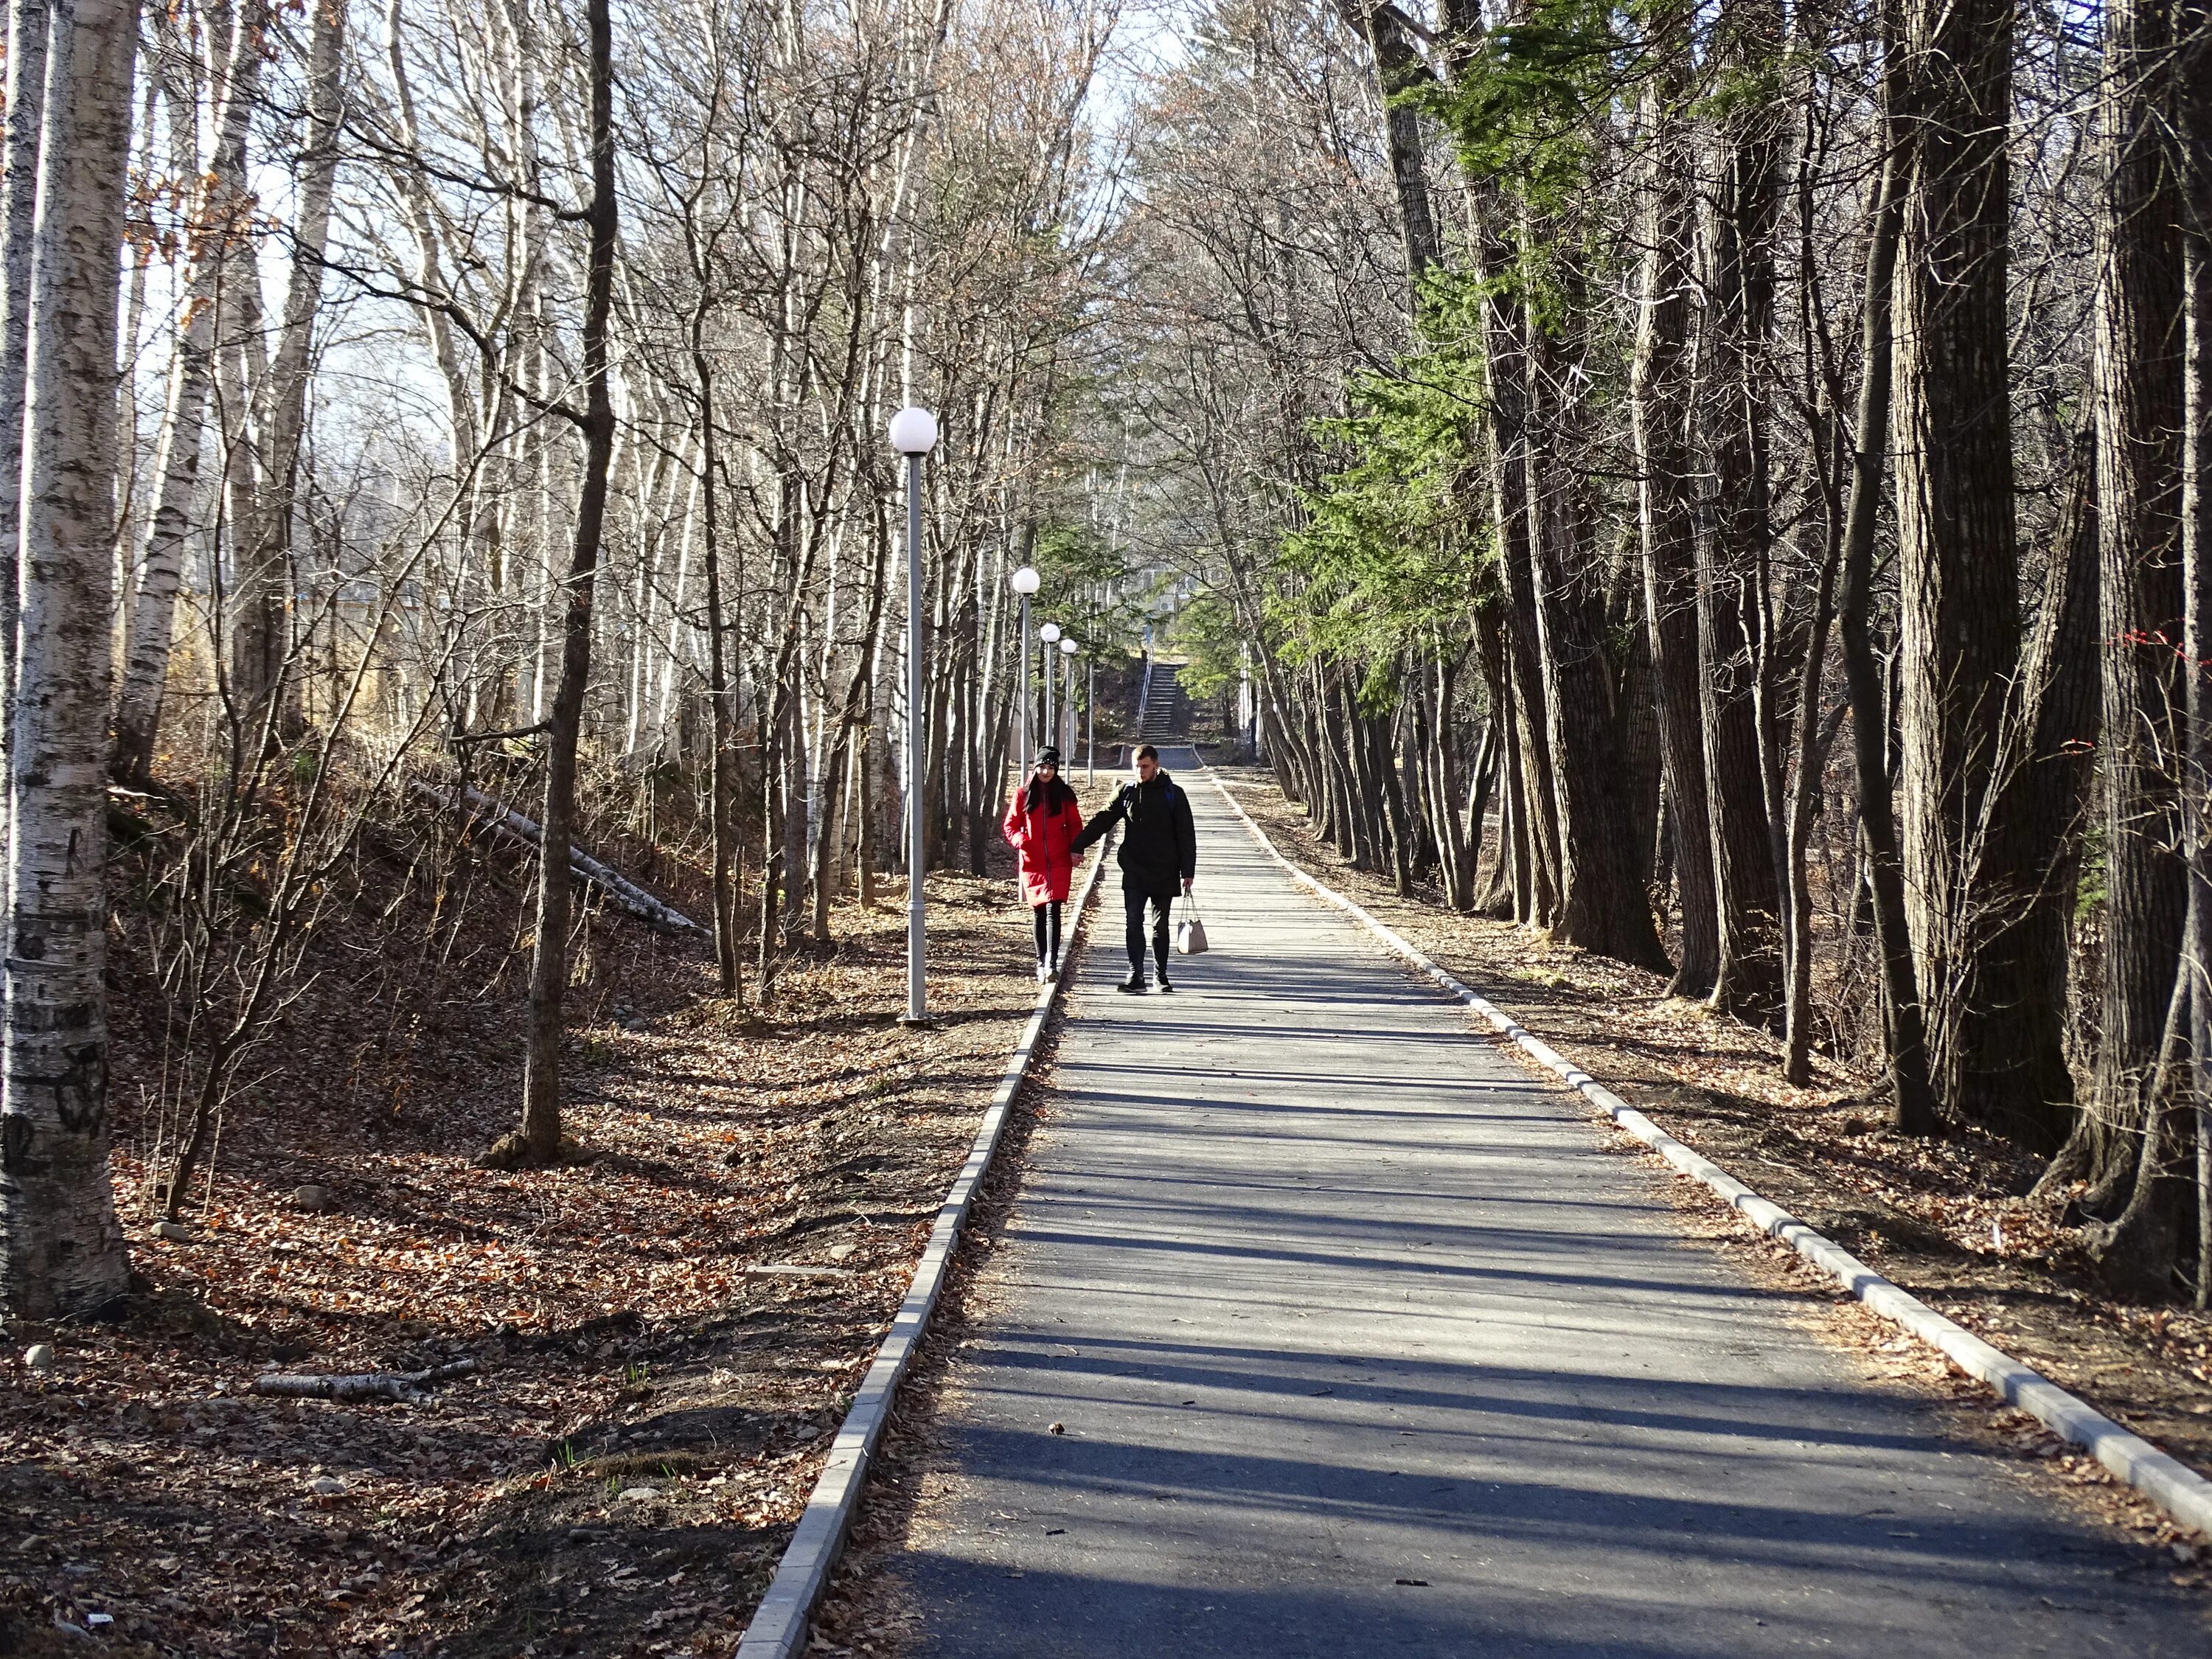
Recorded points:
1190,937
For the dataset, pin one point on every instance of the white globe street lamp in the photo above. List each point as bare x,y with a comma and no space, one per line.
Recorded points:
1024,582
914,431
913,435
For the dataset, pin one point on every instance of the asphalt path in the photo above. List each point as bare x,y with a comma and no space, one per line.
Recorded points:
1359,1343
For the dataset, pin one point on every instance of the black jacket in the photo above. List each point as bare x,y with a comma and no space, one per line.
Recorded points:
1159,843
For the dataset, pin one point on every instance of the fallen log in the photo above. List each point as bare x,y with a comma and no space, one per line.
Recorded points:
403,1387
503,820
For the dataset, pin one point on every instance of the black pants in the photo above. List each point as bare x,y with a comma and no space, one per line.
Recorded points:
1134,901
1047,916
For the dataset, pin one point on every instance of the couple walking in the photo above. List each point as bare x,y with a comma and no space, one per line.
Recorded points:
1159,851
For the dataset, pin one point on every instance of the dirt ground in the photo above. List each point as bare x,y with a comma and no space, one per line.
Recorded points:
1946,1218
666,1332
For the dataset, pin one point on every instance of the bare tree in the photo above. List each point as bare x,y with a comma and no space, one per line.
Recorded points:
61,1250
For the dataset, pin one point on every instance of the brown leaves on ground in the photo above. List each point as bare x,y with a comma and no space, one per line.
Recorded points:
1945,1218
667,1329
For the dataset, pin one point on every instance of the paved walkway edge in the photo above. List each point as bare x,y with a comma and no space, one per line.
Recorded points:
779,1625
2180,1491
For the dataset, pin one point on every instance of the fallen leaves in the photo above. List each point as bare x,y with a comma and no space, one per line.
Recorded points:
644,1408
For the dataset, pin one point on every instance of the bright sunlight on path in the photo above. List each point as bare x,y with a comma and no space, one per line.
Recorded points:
1362,1345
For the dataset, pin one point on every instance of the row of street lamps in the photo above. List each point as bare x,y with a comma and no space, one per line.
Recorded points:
913,435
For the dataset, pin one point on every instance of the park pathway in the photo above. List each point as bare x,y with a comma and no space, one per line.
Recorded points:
1361,1346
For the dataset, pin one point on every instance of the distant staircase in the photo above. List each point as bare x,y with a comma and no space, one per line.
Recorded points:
1165,716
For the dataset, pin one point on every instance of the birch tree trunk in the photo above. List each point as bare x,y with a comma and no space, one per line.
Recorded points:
254,602
150,620
281,401
27,25
61,1248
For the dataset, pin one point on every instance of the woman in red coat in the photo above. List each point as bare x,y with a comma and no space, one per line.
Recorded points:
1041,824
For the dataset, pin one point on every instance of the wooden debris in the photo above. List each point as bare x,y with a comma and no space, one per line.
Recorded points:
504,821
404,1388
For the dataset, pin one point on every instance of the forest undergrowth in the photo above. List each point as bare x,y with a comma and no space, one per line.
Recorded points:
1946,1217
665,1331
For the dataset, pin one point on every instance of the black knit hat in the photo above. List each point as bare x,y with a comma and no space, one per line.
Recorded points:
1047,755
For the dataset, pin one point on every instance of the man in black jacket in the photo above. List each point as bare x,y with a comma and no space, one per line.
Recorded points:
1159,848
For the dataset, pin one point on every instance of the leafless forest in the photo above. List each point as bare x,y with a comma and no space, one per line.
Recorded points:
1725,486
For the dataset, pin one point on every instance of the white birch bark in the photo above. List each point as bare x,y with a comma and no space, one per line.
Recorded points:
130,507
673,656
281,397
18,187
251,608
150,619
61,1247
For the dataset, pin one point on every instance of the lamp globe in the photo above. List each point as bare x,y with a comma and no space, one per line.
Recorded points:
914,431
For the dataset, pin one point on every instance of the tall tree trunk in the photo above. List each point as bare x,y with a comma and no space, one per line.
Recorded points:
1455,850
281,401
28,26
1399,69
2051,730
539,1138
1659,407
252,602
721,694
1603,906
1958,547
2139,408
1808,751
775,722
2194,76
61,1247
219,220
1494,890
1912,1101
1733,556
1508,413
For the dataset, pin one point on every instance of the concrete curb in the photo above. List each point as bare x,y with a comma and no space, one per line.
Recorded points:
779,1625
2175,1487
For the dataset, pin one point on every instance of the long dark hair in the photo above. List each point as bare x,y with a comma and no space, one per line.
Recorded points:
1051,794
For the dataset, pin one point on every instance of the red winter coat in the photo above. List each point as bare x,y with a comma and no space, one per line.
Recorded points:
1045,837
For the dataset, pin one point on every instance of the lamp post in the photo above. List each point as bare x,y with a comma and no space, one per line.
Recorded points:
1049,633
913,435
1067,650
1090,725
1024,582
